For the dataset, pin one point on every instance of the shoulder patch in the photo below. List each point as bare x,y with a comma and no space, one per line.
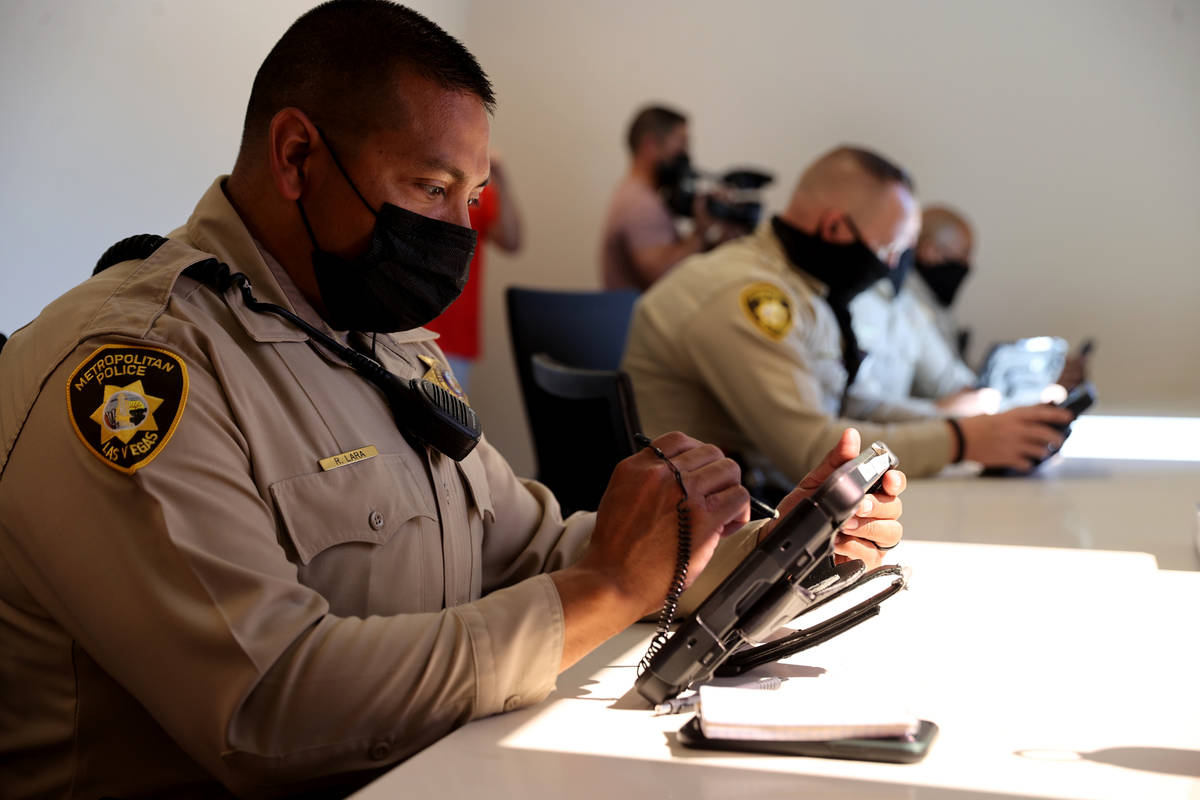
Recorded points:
125,402
769,308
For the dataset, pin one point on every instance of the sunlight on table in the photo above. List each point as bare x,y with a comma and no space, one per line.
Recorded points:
1134,438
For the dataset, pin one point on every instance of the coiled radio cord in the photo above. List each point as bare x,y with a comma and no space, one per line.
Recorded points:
684,520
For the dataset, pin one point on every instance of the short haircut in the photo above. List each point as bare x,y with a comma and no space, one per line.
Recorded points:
339,61
878,167
941,222
655,121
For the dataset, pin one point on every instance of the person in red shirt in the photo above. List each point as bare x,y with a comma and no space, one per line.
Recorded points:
496,219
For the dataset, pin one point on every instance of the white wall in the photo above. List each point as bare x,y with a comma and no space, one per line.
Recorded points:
118,114
1068,130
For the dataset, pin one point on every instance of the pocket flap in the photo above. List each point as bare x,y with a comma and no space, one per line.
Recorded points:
475,477
364,502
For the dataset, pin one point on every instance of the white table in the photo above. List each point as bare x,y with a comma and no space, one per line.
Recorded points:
1039,633
1137,501
1052,673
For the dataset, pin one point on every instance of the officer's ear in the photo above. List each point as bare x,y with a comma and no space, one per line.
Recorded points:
832,227
291,138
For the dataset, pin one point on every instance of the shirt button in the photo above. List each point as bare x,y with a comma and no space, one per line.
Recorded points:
512,703
375,520
379,751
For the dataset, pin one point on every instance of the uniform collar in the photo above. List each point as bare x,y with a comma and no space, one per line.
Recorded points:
216,228
773,248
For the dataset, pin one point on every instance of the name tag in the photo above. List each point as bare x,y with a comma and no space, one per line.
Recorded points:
349,457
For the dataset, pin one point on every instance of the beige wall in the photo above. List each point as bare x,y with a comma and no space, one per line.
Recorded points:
1068,130
117,115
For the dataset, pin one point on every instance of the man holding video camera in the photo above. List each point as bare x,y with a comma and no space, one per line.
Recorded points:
640,241
751,347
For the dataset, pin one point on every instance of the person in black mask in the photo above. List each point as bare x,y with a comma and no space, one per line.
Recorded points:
751,346
640,241
942,262
910,371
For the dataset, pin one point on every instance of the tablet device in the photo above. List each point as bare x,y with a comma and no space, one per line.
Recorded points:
1021,370
767,589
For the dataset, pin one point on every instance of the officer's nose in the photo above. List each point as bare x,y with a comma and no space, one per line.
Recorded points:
461,216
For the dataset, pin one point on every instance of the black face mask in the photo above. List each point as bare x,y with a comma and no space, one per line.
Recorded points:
944,279
847,269
673,172
899,273
412,270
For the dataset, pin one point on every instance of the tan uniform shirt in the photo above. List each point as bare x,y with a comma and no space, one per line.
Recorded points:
908,365
231,608
738,348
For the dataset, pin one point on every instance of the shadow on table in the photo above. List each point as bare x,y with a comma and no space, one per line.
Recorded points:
1165,760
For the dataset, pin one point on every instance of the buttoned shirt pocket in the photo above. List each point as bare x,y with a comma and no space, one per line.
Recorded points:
366,520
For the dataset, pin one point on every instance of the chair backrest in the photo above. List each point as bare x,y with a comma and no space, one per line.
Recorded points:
585,427
579,329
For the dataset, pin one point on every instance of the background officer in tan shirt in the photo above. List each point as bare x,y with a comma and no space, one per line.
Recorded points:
224,566
909,370
943,261
746,346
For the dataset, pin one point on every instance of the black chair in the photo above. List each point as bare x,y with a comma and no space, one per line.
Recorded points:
585,426
586,330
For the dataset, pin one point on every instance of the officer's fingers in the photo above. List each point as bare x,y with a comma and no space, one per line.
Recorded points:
1035,448
881,532
699,457
894,482
725,511
853,547
876,506
886,510
1043,435
712,477
673,443
846,448
1045,413
1018,461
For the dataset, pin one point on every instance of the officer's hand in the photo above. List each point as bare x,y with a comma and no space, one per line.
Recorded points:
875,524
636,539
1016,438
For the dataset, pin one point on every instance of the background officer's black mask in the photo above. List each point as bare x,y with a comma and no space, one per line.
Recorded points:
413,269
944,279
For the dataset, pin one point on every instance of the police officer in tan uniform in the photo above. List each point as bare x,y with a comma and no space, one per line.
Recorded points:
226,564
909,371
750,346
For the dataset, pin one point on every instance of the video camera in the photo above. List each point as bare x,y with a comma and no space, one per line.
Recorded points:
734,196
